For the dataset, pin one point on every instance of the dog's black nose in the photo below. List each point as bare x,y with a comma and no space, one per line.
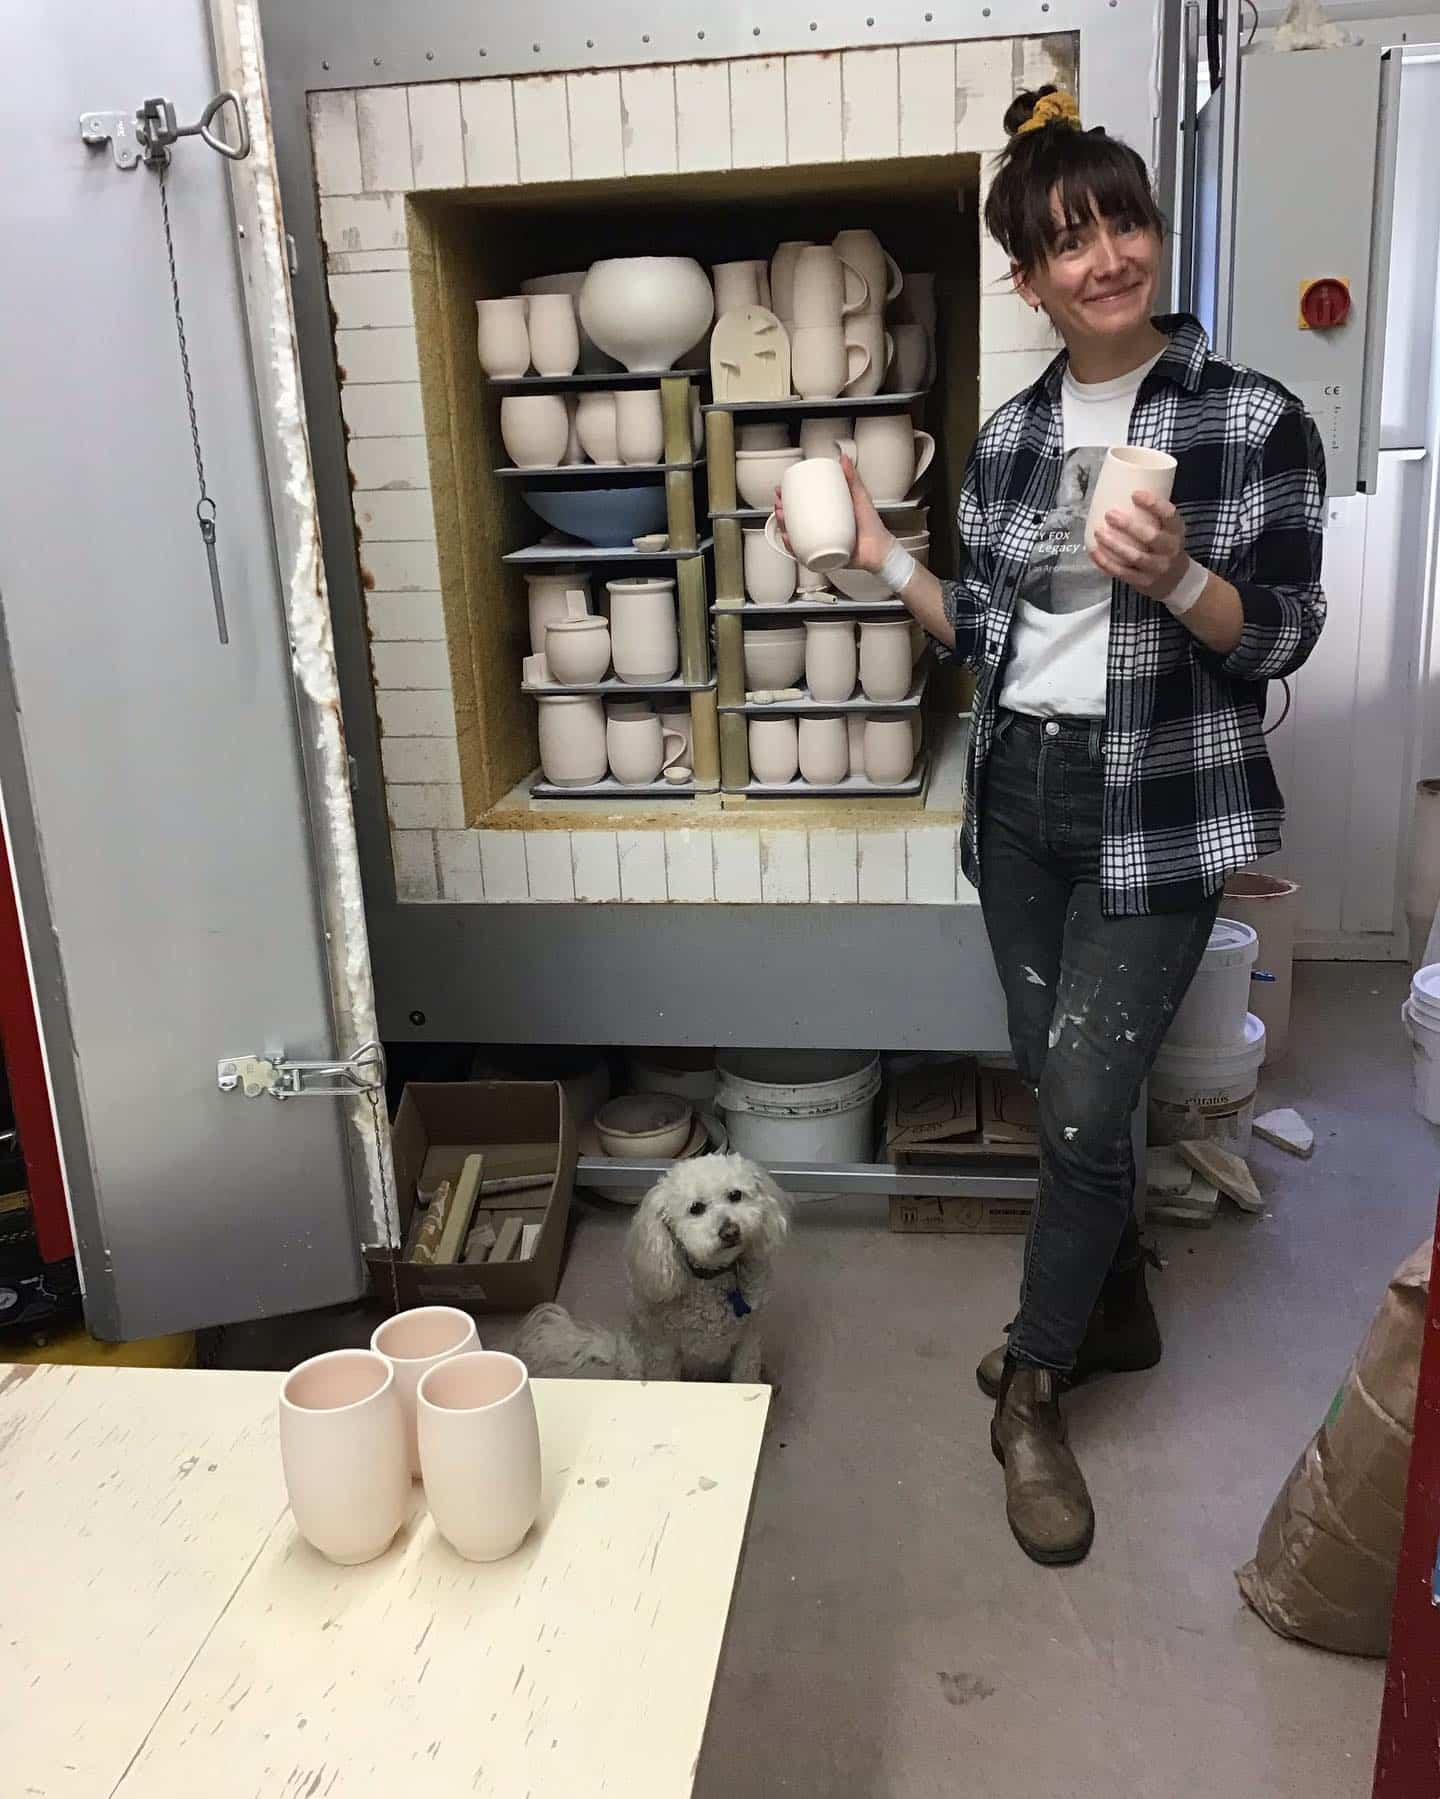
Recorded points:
729,1234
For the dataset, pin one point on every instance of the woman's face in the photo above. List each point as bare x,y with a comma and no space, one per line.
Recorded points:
1099,279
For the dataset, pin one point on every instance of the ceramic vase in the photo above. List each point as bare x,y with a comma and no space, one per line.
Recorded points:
480,1453
644,634
830,660
548,598
774,750
891,455
638,745
645,310
535,429
639,426
885,660
889,749
824,751
342,1447
773,658
502,337
572,739
554,333
413,1343
769,573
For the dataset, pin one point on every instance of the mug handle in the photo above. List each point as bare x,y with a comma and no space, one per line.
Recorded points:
897,280
852,350
676,756
772,537
848,307
925,457
576,605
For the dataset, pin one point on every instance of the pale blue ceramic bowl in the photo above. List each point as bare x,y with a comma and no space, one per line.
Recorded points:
608,517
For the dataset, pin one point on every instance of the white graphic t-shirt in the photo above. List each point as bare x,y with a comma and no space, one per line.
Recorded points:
1060,634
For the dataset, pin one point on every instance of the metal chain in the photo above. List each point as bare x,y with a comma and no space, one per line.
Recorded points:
391,1209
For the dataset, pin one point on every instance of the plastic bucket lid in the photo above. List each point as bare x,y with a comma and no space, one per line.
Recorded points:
1425,993
1216,1064
1231,945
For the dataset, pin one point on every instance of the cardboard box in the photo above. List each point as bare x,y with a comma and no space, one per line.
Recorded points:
469,1117
983,1217
1009,1112
933,1117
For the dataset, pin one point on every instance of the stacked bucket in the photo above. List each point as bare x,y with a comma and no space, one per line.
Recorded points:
1205,1075
1421,1017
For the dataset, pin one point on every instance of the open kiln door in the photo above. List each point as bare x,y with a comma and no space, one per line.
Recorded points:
176,795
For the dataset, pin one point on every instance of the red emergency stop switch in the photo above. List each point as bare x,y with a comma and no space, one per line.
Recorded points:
1324,303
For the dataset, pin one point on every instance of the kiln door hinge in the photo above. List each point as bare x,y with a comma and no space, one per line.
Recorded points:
282,1078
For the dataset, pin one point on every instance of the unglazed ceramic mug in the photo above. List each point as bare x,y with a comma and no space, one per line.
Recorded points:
502,337
824,436
1128,469
824,750
866,332
782,279
678,720
480,1453
595,425
413,1343
554,333
890,454
864,251
825,361
342,1447
572,739
825,288
885,660
889,748
535,429
769,573
830,660
638,745
639,425
819,515
774,751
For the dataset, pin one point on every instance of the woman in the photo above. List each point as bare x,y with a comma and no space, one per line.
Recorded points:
1118,769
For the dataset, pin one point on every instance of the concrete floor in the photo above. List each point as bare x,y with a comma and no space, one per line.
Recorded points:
888,1640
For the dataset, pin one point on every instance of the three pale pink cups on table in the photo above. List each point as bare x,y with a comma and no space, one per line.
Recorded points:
424,1401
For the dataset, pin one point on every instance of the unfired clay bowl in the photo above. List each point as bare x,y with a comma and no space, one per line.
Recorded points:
647,1126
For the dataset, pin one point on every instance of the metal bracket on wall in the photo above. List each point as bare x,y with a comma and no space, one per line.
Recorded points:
147,134
282,1078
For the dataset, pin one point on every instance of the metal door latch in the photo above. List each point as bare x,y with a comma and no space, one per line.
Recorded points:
147,134
282,1078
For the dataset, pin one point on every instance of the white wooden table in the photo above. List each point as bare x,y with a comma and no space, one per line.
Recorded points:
164,1631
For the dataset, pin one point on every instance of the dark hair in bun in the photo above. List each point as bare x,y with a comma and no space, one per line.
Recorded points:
1094,175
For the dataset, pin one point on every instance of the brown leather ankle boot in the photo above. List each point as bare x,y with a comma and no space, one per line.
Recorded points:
1046,1500
1122,1336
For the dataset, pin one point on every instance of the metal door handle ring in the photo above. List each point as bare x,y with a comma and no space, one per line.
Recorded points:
240,149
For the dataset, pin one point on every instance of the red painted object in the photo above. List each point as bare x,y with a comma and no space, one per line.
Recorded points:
1407,1761
29,1089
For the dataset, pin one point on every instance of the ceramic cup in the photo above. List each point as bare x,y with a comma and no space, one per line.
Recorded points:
502,336
824,751
824,362
759,472
819,516
593,360
885,660
548,595
824,436
774,751
639,427
342,1447
883,280
889,748
577,650
782,279
769,573
677,720
866,334
644,633
773,658
736,284
413,1342
825,288
535,671
638,745
855,736
535,429
572,739
554,333
831,661
480,1453
912,357
763,437
891,455
595,425
1126,471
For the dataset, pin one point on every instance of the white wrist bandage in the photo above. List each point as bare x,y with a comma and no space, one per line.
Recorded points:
897,568
1187,589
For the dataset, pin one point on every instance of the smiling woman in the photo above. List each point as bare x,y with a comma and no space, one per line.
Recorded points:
1118,769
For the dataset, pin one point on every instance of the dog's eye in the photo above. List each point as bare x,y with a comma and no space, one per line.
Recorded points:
734,1196
698,1209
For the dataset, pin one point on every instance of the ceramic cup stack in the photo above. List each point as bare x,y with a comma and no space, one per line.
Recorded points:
866,335
356,1425
826,293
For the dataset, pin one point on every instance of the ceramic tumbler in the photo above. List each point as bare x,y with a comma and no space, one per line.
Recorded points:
480,1453
736,284
782,279
824,362
342,1447
915,303
774,751
644,630
826,289
864,251
549,598
769,573
638,745
535,429
831,662
819,515
891,455
595,426
889,748
1127,470
413,1343
912,357
502,336
574,449
572,739
554,333
824,436
866,336
824,751
885,660
639,425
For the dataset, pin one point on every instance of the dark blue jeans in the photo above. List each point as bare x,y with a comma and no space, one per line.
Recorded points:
1089,1001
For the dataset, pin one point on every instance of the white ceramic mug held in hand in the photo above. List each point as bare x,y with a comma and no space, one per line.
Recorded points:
819,514
1128,469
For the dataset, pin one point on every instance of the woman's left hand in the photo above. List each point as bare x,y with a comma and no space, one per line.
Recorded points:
1145,548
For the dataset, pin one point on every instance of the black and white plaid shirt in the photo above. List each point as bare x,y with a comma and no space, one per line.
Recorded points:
1190,794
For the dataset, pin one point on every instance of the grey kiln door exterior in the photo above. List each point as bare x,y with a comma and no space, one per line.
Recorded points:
178,900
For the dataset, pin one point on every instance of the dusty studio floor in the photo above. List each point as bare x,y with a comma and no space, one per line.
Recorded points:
889,1641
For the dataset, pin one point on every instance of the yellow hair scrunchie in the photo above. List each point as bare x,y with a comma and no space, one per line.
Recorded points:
1052,109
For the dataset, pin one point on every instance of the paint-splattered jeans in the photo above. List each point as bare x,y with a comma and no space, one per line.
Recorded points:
1089,1001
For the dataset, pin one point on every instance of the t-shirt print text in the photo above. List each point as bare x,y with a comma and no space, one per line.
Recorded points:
1060,577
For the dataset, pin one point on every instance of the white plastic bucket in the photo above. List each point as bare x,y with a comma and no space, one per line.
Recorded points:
1425,995
800,1105
1212,1014
1424,1038
1197,1093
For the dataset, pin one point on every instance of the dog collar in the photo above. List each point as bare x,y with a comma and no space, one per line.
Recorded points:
736,1300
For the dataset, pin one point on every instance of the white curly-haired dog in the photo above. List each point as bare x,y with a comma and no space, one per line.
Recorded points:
699,1254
